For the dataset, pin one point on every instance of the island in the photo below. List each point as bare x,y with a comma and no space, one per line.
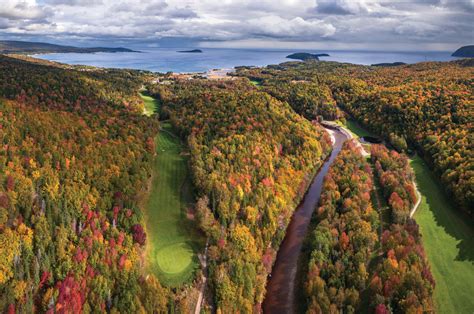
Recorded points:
388,64
26,47
304,56
191,51
464,52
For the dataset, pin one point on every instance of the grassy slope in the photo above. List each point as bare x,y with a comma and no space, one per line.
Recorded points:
151,104
356,129
449,243
172,250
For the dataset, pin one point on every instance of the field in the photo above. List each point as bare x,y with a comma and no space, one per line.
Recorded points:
171,246
449,243
151,104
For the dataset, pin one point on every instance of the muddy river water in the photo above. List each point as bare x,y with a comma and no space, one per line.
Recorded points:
280,297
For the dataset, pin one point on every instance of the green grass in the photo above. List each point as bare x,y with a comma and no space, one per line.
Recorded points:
449,243
151,104
256,83
171,245
356,129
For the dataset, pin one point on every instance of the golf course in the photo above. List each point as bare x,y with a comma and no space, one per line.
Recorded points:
151,104
449,243
171,248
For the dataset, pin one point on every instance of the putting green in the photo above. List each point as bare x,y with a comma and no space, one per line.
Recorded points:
175,258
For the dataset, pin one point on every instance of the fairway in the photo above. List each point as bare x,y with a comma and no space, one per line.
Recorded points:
171,248
151,104
449,244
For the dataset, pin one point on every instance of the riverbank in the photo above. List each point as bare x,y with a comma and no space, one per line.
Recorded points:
280,296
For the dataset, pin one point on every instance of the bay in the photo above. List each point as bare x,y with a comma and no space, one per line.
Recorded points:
169,59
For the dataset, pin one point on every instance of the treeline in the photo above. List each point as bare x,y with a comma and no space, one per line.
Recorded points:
396,179
351,268
74,161
430,110
401,282
344,238
425,106
252,158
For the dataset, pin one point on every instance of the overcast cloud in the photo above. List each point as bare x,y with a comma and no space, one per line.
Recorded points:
329,24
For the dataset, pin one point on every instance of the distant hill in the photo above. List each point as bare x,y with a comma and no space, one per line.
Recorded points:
25,47
388,64
191,51
306,56
464,52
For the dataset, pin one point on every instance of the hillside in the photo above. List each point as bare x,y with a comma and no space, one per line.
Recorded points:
25,47
71,177
252,158
304,56
388,101
464,52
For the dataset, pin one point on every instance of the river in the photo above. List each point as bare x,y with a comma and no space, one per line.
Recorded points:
280,297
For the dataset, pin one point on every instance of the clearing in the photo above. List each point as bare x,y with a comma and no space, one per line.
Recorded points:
449,244
172,249
151,104
171,244
356,128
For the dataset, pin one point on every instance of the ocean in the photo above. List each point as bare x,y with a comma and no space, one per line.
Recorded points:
169,59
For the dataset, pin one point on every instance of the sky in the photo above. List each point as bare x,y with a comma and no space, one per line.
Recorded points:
401,25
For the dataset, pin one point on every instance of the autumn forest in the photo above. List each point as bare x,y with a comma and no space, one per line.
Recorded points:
90,170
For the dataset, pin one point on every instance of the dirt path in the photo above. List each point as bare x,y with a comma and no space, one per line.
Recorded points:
358,143
203,259
366,154
418,195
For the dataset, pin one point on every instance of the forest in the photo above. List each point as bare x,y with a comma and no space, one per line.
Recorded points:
424,107
352,266
77,161
70,229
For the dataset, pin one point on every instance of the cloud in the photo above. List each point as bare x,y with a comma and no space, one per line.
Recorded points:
329,23
340,7
22,10
74,2
298,28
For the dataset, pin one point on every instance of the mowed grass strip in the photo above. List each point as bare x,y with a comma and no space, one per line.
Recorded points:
172,250
151,104
356,128
449,243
